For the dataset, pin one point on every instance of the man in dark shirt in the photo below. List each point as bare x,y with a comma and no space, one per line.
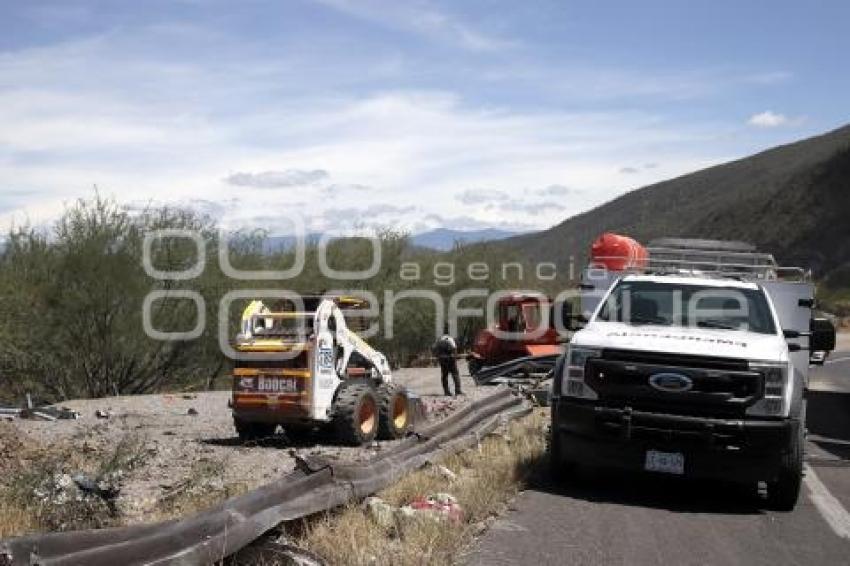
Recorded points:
446,351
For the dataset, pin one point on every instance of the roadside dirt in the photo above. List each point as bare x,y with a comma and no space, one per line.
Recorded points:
188,442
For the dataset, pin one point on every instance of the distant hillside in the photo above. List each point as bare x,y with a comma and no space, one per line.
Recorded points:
443,239
793,200
440,239
274,244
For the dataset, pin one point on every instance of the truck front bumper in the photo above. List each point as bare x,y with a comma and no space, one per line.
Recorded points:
743,450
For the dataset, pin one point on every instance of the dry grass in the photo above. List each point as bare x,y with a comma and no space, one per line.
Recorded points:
488,478
15,519
31,502
33,499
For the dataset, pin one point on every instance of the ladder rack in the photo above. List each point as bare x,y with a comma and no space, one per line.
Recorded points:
714,258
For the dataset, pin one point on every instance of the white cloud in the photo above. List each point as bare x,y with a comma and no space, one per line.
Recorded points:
540,208
555,191
423,19
770,77
466,223
767,119
481,196
278,179
169,130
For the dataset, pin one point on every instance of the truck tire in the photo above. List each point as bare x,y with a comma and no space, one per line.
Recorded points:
554,454
394,410
782,494
559,467
355,420
252,431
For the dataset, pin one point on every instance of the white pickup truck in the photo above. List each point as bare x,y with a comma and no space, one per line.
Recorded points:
696,365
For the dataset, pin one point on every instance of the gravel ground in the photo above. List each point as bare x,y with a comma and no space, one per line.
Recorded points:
190,438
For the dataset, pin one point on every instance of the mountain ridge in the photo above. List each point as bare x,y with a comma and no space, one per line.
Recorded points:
788,200
443,239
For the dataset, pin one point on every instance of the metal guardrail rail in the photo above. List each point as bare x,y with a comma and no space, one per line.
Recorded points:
529,364
317,485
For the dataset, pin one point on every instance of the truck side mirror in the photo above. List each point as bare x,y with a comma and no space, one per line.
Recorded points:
577,322
822,335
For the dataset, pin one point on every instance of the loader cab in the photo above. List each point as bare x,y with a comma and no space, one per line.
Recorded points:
290,318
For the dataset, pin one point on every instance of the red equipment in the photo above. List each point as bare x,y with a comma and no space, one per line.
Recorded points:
517,313
617,253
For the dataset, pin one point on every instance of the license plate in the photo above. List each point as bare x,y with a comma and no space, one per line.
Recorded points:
667,462
277,384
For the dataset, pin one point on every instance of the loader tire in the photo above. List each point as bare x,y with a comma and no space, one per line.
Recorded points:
394,409
253,431
355,420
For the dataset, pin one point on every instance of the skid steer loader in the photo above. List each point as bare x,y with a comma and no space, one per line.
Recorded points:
304,369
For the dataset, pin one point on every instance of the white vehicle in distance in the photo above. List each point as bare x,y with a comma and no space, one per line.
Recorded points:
696,365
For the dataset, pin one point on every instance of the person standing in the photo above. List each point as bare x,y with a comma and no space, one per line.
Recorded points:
446,351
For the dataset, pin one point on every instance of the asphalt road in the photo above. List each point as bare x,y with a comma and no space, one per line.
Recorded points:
834,375
605,517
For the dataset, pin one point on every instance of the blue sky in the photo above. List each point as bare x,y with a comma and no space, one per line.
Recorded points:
410,114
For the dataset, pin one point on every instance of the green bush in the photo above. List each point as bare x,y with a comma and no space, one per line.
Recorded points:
71,311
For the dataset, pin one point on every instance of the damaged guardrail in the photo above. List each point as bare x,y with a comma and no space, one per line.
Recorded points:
517,369
316,485
528,376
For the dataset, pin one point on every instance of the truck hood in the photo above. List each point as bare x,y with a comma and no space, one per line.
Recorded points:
679,340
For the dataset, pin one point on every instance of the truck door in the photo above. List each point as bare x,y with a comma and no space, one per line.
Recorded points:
793,303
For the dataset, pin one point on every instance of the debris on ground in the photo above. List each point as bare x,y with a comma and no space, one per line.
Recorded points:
381,512
530,377
192,412
48,414
434,507
520,370
438,506
61,503
101,414
106,487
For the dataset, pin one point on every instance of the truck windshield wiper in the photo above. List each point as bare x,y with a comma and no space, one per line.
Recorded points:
649,320
716,324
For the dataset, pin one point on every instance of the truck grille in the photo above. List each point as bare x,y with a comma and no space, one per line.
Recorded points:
716,387
678,360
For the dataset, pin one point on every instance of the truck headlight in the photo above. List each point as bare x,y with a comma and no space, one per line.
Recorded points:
572,384
775,376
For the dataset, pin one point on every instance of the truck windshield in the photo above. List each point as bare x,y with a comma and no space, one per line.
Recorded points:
668,304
